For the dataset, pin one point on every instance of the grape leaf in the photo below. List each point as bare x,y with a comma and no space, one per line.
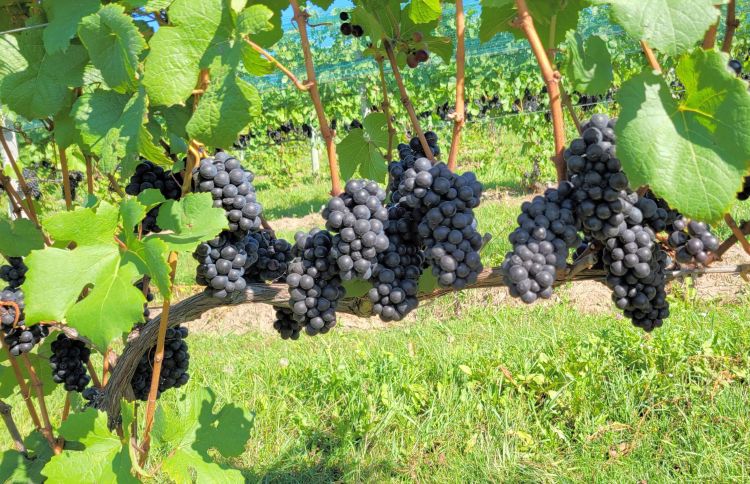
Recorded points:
178,52
112,126
19,237
192,220
132,212
191,429
693,152
15,467
588,65
40,88
85,226
11,59
150,257
552,18
147,5
359,152
39,360
63,17
228,105
151,197
423,11
114,44
671,26
104,458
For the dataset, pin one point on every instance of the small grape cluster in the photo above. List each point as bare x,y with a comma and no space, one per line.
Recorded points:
358,217
19,338
414,57
547,230
395,278
349,28
68,362
14,273
231,187
396,169
432,141
314,284
150,176
596,173
637,276
222,263
174,366
149,298
75,177
692,241
287,326
272,257
32,181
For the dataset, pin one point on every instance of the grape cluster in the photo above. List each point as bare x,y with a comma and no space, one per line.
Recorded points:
75,177
601,186
174,366
221,265
432,142
149,297
314,284
68,362
396,169
287,326
395,278
349,28
358,217
14,273
272,257
637,276
692,241
231,187
150,176
547,230
32,181
19,338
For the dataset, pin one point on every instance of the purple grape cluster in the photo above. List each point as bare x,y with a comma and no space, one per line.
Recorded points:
19,338
222,263
357,216
692,241
231,187
14,273
174,366
150,176
272,257
68,362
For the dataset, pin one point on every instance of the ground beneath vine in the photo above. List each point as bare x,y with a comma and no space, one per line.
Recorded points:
588,297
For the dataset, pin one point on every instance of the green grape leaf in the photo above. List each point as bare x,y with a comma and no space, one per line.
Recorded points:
228,106
254,19
16,467
57,277
150,257
178,52
191,429
268,38
380,18
19,237
552,19
66,133
359,152
671,26
147,5
63,17
112,126
84,226
588,65
151,197
424,11
114,44
105,457
192,220
40,88
132,212
11,59
695,151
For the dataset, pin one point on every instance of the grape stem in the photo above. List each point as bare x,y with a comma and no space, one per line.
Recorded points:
732,25
406,101
386,105
709,41
737,233
115,185
36,384
66,179
333,164
7,415
278,295
525,22
158,359
459,118
260,50
89,174
30,210
571,110
25,391
650,56
15,200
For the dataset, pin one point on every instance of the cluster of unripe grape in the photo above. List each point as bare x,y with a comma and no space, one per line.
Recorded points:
417,56
349,28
